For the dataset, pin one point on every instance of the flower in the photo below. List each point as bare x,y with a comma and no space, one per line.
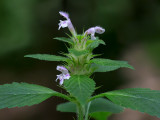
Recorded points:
65,74
66,23
94,30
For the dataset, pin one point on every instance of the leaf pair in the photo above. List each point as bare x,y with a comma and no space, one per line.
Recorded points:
99,64
91,44
100,106
141,99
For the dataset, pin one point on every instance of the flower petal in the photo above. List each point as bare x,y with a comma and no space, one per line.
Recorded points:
93,37
63,24
90,31
99,30
62,69
66,76
64,14
61,82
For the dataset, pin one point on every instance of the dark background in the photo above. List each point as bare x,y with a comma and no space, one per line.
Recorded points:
29,26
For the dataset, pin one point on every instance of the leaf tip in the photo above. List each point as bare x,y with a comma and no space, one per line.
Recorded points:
26,55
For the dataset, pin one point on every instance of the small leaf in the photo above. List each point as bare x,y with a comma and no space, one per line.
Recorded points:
47,57
97,105
141,99
100,115
22,94
71,107
67,107
104,105
95,43
68,40
81,87
105,65
78,53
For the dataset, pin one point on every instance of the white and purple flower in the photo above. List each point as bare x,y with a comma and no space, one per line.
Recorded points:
65,74
66,23
94,30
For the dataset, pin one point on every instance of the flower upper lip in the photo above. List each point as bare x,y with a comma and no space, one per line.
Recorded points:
64,14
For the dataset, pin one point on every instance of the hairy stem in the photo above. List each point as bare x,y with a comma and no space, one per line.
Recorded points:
80,112
87,111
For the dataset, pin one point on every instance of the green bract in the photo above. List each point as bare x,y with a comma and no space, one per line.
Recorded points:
77,67
47,57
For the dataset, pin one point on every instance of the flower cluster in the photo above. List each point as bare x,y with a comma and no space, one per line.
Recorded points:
67,23
81,59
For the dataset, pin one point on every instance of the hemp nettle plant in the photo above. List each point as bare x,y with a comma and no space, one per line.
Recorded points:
76,69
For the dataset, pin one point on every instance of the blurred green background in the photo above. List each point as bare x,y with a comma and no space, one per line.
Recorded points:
29,26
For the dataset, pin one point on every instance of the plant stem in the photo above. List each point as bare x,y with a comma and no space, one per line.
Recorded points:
80,112
87,111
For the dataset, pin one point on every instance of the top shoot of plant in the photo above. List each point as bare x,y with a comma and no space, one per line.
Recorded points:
77,67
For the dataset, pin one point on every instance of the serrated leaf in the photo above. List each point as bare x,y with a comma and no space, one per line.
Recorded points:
105,65
47,57
67,107
95,43
68,40
97,105
81,87
104,105
100,115
78,53
141,99
22,94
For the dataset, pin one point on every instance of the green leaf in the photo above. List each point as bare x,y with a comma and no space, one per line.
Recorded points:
71,107
68,40
22,94
81,87
95,43
67,107
104,105
47,57
105,65
97,105
78,53
141,99
100,115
